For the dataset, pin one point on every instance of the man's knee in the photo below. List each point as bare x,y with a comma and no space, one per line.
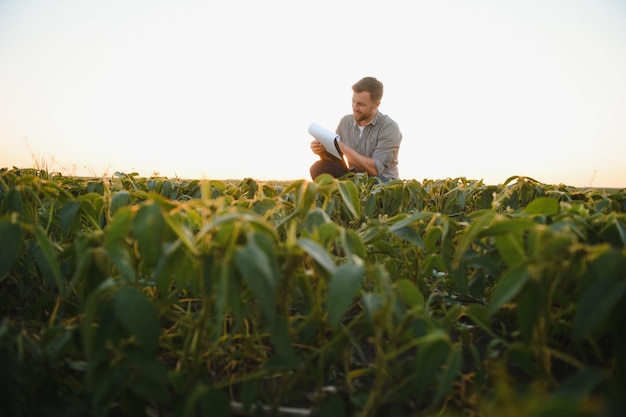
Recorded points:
324,166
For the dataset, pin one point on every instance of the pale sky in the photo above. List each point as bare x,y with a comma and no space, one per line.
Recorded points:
213,89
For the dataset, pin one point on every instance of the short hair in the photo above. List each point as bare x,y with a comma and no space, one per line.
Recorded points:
370,84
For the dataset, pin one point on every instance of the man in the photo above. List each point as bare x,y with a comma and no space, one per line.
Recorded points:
368,139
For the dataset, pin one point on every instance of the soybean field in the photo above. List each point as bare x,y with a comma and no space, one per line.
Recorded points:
133,296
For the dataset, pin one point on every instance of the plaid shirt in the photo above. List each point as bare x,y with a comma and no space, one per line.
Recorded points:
380,141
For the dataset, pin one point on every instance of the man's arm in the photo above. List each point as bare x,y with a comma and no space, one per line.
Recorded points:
361,162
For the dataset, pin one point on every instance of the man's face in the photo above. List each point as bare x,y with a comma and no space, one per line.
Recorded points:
363,108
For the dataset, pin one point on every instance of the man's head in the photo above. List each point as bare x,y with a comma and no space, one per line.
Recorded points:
367,93
371,85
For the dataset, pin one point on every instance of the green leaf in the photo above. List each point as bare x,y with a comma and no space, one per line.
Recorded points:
508,287
603,296
305,199
119,226
410,235
327,232
511,248
116,245
138,316
92,267
203,401
176,265
149,227
621,230
260,274
350,196
544,206
521,355
119,200
433,233
150,379
581,383
479,315
166,191
430,358
286,357
12,201
91,207
68,215
315,217
373,303
352,243
10,244
530,305
342,289
318,253
262,206
482,220
505,225
183,233
48,261
333,406
104,386
249,394
410,295
88,327
451,370
402,220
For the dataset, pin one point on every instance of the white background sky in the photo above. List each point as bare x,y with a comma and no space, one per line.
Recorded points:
483,89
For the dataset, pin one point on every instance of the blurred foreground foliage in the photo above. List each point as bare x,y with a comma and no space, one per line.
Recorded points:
339,297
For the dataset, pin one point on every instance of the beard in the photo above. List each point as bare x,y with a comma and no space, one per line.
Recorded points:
361,116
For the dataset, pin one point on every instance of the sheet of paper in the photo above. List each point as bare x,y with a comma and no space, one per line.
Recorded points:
326,137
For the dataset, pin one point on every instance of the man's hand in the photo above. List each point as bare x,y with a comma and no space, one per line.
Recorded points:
317,147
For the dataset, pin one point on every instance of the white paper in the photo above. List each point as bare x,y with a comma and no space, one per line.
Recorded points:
326,138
